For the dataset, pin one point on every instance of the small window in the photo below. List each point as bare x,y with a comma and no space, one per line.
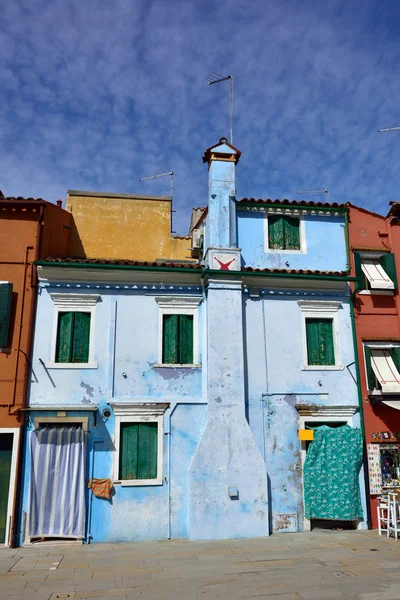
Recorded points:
5,312
177,339
375,272
73,336
138,451
320,345
283,233
382,366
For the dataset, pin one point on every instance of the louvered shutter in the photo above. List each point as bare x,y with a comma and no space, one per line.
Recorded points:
362,282
5,312
81,336
388,263
327,353
312,334
292,233
276,237
186,339
138,451
147,451
128,452
396,357
170,339
64,337
371,381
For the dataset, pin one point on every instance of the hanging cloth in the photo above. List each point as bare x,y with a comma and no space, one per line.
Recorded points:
57,484
101,488
331,469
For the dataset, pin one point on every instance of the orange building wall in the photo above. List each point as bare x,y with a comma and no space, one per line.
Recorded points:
375,316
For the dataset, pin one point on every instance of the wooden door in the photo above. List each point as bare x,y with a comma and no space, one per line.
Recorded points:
6,443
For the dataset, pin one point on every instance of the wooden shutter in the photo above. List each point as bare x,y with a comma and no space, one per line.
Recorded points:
396,357
371,381
170,339
320,347
64,337
186,339
147,451
5,312
128,451
388,263
81,335
361,279
276,236
292,233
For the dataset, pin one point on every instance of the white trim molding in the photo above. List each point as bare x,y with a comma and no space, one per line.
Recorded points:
321,309
302,232
130,412
178,305
73,303
15,431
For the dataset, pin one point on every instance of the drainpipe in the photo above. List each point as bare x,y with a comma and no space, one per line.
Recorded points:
89,535
168,433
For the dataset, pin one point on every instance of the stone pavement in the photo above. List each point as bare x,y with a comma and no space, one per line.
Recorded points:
339,565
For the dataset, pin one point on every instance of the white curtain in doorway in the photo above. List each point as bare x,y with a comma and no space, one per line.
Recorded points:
57,483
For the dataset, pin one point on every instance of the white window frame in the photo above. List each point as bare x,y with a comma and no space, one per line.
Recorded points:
373,254
73,303
321,309
13,472
377,345
302,231
178,305
139,413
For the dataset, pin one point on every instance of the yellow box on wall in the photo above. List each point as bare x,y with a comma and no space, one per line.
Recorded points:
306,435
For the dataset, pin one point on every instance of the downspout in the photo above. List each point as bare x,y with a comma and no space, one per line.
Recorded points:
168,433
89,535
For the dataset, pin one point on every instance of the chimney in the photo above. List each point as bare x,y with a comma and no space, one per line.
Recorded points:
59,203
221,219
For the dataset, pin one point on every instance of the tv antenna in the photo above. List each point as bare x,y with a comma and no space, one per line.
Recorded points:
389,129
216,79
315,193
169,174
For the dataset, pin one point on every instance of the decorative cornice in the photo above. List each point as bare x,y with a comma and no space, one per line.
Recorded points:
132,409
178,301
312,306
74,300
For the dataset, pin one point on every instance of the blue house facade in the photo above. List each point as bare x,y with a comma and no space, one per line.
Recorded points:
179,390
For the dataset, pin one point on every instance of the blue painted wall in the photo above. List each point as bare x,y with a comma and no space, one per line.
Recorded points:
326,249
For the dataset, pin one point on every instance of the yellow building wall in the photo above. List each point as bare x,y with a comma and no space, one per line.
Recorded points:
123,227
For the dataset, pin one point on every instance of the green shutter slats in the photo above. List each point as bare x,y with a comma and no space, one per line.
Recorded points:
170,339
361,279
186,339
276,237
64,337
292,233
389,264
371,381
5,312
396,357
320,346
81,336
138,451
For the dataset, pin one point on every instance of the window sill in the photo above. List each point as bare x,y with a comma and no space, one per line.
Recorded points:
54,365
376,292
323,368
277,251
380,394
138,482
177,366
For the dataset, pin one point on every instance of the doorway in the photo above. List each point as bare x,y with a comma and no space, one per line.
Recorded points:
8,456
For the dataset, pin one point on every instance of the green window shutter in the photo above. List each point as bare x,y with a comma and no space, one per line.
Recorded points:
320,346
147,451
64,337
371,381
128,452
292,233
81,335
396,357
5,312
276,236
170,339
186,339
362,282
388,263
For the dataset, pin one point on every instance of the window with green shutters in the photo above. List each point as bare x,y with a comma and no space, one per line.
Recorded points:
5,313
387,262
177,343
283,233
320,344
73,337
372,381
138,451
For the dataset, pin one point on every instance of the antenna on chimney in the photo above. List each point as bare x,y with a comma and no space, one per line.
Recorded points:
315,192
169,174
215,78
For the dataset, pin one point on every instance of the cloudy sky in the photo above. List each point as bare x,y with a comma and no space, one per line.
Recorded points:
96,94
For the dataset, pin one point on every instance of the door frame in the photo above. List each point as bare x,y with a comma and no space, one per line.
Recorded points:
333,414
13,475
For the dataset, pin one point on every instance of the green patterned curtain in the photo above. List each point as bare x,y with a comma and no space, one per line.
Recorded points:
331,468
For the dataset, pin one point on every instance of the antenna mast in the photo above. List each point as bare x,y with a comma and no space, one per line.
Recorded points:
214,78
169,174
388,129
315,192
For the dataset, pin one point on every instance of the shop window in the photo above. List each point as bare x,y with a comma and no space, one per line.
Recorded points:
384,467
382,365
375,271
